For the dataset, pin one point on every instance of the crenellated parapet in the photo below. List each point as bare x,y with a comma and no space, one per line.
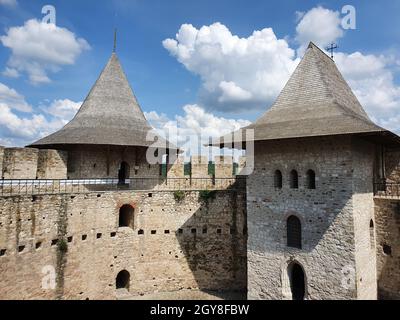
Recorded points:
223,167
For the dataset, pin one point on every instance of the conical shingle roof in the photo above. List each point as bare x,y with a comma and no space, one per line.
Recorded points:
110,115
316,101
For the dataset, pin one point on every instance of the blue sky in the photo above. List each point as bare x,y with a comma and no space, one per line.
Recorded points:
165,82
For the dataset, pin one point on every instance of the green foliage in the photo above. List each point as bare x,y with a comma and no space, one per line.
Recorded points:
179,195
205,195
62,245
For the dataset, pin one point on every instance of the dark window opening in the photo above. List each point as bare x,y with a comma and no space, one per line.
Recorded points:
84,237
21,248
122,280
297,281
54,242
194,230
387,249
294,179
69,239
126,216
278,179
187,169
166,231
99,235
219,231
153,231
113,234
372,234
180,231
204,230
123,173
211,168
293,229
310,179
38,245
141,232
3,252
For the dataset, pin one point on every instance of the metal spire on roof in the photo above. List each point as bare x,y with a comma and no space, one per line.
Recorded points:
115,40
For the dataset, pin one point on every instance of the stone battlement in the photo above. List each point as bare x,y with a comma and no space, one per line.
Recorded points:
37,164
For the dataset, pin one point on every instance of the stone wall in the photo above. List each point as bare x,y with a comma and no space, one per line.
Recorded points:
52,164
30,163
194,242
1,161
387,230
333,248
20,163
387,221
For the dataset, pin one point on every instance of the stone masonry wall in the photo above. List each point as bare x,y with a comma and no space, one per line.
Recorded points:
52,164
363,213
329,249
174,244
20,163
387,230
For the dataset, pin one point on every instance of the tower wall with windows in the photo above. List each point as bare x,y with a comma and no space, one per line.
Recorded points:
334,219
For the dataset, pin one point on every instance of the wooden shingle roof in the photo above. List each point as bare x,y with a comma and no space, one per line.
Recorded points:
110,115
316,101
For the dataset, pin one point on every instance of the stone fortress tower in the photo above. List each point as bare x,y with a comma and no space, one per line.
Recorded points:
314,229
84,215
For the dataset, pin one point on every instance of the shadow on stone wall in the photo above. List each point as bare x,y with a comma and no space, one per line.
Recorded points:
214,241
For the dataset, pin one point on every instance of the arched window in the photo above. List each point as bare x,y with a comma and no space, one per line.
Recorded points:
310,179
122,280
293,229
294,179
372,234
278,179
126,216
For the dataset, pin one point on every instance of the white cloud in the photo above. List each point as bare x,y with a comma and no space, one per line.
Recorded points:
16,130
320,25
192,130
9,3
372,81
63,108
10,73
38,48
13,99
237,74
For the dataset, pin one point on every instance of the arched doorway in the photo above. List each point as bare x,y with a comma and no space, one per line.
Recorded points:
122,280
123,173
297,281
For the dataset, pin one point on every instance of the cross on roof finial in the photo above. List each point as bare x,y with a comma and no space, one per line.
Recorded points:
332,47
115,40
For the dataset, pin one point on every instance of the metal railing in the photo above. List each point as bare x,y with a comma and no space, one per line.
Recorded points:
36,187
384,189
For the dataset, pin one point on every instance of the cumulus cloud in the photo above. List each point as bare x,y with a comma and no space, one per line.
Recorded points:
372,81
38,48
17,130
62,108
238,74
192,130
320,25
13,99
371,77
